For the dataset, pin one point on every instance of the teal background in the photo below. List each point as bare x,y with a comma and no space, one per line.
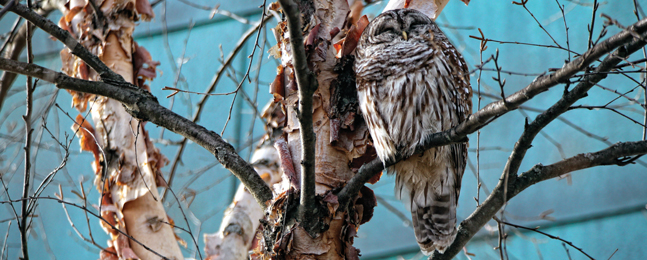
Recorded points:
599,210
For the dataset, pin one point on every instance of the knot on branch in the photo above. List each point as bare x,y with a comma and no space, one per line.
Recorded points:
141,98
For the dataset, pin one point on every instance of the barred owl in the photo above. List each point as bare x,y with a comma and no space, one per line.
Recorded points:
411,82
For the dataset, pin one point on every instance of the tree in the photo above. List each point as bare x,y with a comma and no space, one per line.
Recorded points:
323,200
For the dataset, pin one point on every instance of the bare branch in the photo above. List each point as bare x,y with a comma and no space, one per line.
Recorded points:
548,235
496,109
24,235
14,47
143,105
84,208
506,187
538,173
69,219
6,238
307,83
211,88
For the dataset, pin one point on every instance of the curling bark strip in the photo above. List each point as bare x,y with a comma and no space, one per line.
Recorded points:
128,169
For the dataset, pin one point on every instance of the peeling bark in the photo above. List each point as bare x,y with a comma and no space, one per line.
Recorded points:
341,139
127,165
330,34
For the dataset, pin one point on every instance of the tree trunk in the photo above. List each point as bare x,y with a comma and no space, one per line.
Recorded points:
127,164
330,30
341,145
241,220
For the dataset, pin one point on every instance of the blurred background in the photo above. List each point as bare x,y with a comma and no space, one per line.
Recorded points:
601,210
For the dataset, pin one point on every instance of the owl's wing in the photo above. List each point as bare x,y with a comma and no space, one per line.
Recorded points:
463,95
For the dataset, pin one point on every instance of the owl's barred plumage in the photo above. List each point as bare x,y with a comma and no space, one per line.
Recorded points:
411,81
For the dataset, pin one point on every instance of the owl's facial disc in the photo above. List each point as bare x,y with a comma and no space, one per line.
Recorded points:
414,22
386,28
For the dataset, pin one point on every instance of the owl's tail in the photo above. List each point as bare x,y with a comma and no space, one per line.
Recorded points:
433,211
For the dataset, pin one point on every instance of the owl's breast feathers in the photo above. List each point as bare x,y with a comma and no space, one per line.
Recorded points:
409,89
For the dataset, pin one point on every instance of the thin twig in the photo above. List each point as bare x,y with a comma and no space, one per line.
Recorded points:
212,87
548,235
496,109
24,235
500,239
482,48
142,105
510,178
4,244
12,34
69,219
523,3
591,26
610,109
16,43
188,226
93,214
568,45
567,252
216,10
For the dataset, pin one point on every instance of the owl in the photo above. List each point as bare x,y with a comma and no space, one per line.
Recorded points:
411,82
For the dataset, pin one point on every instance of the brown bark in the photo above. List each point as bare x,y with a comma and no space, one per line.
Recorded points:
341,136
330,33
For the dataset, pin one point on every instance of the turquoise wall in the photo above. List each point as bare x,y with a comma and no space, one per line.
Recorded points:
599,210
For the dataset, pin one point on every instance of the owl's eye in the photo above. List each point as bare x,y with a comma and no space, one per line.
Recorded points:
418,23
386,30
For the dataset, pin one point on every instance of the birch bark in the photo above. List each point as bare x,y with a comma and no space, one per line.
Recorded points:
128,164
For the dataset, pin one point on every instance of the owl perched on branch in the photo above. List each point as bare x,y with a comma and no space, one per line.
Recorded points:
412,82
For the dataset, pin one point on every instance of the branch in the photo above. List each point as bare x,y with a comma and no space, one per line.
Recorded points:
538,173
496,109
139,103
509,185
85,209
241,220
536,229
24,235
580,91
66,38
143,105
307,83
212,87
14,48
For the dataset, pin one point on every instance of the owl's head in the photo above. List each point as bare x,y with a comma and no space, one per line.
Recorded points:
397,25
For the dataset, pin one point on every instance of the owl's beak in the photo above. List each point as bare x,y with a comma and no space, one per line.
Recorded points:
404,34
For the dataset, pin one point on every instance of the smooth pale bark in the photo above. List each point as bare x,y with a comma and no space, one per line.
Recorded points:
431,8
242,218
